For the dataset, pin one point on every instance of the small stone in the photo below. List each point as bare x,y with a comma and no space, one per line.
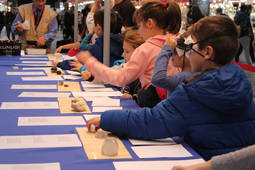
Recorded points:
78,105
58,72
110,147
15,68
61,83
92,128
54,69
101,134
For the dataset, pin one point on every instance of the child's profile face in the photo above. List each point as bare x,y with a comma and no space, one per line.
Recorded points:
196,60
143,30
98,30
127,51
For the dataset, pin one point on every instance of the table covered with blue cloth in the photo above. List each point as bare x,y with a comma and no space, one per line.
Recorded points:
70,158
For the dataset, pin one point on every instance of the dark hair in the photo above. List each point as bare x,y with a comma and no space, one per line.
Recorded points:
132,36
219,10
167,17
243,8
126,10
221,33
116,21
194,14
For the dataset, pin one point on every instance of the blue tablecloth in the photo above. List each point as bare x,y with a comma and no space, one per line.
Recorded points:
70,158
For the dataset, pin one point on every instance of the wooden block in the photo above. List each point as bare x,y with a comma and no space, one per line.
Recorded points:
49,73
93,146
65,106
69,86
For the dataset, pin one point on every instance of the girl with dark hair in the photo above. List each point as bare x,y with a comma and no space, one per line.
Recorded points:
153,23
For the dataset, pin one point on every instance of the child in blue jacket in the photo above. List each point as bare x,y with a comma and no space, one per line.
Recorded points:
97,49
214,111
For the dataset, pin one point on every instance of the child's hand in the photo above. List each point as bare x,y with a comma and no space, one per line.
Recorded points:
94,121
85,75
92,31
54,63
170,41
126,95
76,45
83,56
58,50
76,64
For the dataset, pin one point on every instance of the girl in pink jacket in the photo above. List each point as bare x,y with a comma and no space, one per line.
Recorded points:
154,20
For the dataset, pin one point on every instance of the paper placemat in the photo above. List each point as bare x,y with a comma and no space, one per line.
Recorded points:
92,146
69,86
65,106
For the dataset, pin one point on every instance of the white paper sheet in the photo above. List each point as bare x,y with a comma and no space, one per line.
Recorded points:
87,117
153,165
36,68
30,58
43,94
67,57
102,109
32,65
71,77
96,94
108,102
93,98
39,141
33,86
164,141
86,84
24,73
73,72
38,62
42,78
99,89
41,166
161,151
29,105
51,120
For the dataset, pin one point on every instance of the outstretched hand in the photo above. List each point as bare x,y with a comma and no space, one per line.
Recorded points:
83,56
94,121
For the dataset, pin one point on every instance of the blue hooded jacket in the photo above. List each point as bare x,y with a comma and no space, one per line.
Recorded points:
215,114
97,48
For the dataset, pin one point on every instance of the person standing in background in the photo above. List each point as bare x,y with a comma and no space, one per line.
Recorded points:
126,10
36,25
69,23
2,18
248,12
10,16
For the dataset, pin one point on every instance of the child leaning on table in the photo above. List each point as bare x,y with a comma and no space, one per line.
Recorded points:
96,49
153,20
131,40
214,111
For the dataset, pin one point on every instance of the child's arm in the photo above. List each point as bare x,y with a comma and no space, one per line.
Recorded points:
84,46
67,46
132,70
164,120
159,76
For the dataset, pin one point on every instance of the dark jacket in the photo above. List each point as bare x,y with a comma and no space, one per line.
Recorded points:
116,50
215,114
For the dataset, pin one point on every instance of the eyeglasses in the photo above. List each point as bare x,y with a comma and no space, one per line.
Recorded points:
184,47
